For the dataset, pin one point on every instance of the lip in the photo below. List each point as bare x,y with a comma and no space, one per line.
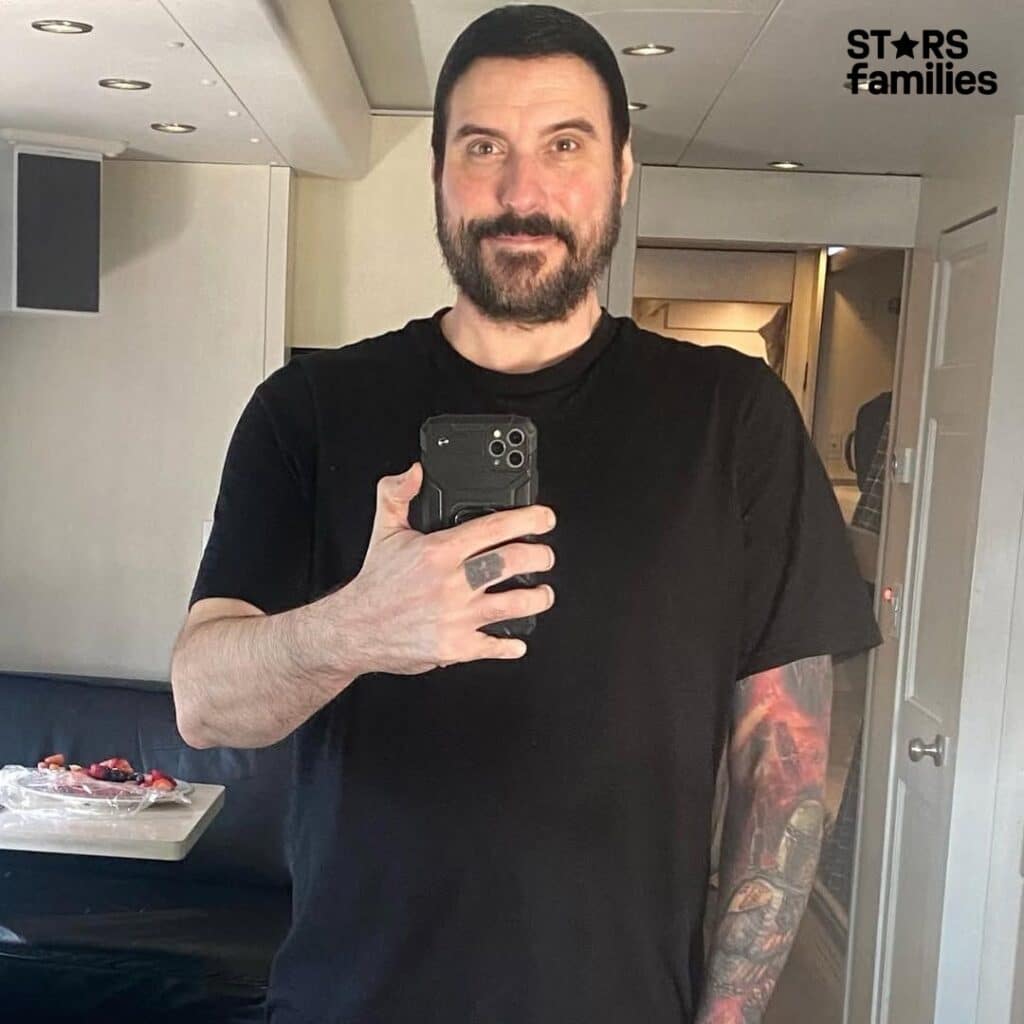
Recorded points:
522,239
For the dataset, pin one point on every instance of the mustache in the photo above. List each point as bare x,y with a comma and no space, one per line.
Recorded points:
509,223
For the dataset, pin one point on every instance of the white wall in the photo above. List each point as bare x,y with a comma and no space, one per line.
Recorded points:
995,710
803,207
714,275
966,173
365,257
718,297
113,428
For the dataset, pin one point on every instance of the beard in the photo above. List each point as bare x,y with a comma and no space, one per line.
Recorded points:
515,287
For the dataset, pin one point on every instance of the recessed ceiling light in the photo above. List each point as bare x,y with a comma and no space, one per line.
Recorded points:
128,84
207,81
254,139
176,44
232,113
635,105
785,165
833,249
172,127
62,27
648,50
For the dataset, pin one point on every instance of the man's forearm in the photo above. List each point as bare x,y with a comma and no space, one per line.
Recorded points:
251,681
772,837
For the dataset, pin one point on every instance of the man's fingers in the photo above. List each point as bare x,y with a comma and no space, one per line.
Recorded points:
497,647
514,604
393,496
496,528
490,567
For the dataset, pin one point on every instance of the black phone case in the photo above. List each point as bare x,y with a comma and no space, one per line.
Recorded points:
463,479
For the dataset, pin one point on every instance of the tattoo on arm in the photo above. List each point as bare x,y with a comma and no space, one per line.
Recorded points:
483,569
778,755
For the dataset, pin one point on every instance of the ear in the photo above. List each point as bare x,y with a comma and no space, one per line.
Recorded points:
627,169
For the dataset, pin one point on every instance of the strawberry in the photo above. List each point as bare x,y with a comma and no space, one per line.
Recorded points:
163,783
98,771
118,764
57,759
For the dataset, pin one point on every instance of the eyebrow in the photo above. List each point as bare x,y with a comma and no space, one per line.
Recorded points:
580,124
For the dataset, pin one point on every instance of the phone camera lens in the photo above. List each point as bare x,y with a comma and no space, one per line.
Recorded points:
516,437
496,448
515,459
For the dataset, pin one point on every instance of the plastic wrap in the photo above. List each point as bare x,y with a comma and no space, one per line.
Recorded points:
72,794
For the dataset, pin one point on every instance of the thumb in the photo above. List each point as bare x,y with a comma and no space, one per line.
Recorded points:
393,496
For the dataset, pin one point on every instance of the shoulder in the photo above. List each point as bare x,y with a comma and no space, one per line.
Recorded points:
392,350
733,377
332,375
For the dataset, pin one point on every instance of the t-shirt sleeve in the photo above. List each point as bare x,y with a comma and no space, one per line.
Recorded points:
259,548
802,592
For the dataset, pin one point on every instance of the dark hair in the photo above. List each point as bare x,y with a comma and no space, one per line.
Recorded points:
530,30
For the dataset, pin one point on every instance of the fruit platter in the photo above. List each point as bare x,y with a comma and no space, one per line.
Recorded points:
108,788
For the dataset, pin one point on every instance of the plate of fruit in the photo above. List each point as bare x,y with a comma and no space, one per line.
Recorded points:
112,786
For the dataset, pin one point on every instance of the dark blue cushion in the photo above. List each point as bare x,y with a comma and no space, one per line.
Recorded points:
90,719
84,938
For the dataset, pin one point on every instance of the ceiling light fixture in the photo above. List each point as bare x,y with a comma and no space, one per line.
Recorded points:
833,249
127,84
254,139
785,165
232,113
61,27
207,81
172,127
635,105
648,50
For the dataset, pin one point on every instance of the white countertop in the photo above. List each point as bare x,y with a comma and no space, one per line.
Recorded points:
160,832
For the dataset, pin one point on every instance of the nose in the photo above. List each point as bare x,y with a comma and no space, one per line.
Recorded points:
521,189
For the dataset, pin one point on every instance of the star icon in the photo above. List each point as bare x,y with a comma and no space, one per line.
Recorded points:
904,45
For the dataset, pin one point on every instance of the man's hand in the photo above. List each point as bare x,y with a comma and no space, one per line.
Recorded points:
419,600
778,756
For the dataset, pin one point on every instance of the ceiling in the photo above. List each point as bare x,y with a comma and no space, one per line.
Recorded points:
750,81
262,81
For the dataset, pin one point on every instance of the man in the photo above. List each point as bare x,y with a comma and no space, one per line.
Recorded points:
487,830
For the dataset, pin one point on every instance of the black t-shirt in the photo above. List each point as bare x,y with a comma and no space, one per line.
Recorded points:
527,841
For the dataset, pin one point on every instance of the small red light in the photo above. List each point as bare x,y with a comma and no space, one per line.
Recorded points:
887,594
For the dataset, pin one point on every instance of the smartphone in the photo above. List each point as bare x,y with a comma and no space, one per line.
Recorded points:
475,464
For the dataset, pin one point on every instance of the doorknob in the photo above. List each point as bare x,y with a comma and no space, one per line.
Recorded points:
936,751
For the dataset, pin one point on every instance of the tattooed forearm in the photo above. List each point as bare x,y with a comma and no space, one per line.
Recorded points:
778,754
483,569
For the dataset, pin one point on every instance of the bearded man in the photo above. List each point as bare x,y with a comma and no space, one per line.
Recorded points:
488,830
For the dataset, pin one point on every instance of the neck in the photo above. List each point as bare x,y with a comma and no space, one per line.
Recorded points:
517,348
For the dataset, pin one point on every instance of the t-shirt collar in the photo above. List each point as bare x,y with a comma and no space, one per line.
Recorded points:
548,378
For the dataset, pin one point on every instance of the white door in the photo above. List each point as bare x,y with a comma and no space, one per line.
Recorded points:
947,482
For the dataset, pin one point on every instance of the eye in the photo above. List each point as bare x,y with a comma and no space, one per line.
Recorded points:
483,147
566,145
